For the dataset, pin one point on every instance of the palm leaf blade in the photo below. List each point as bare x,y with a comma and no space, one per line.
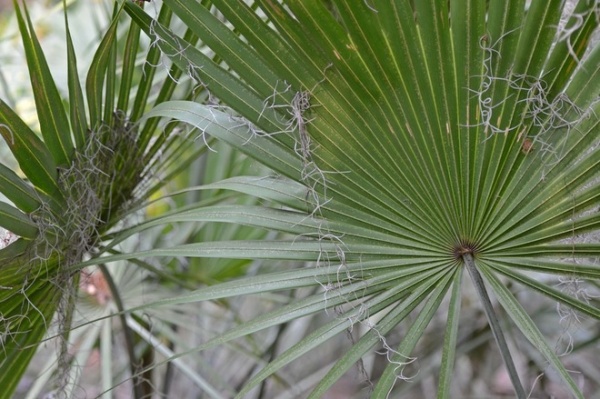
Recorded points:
54,123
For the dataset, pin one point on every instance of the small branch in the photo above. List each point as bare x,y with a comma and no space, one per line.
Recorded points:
494,324
137,386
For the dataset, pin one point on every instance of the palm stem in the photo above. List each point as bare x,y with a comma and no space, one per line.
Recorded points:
133,364
494,324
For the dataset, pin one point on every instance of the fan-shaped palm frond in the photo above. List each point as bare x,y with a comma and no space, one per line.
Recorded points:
90,169
409,141
406,141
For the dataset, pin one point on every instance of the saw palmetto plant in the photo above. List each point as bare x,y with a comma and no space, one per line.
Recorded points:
420,162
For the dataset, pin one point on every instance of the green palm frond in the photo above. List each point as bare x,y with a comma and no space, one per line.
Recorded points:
400,143
85,175
417,138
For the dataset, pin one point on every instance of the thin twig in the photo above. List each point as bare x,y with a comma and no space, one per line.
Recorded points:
137,386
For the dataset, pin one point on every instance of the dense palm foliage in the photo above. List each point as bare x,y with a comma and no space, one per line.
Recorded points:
66,201
403,142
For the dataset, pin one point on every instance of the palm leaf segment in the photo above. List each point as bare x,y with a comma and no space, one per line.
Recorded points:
426,136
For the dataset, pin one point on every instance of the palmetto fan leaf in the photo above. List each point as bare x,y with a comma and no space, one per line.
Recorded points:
81,179
428,136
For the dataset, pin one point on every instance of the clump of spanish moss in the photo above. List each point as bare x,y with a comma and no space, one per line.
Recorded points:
97,186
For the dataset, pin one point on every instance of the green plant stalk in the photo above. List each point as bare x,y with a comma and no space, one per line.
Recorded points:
114,290
494,325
